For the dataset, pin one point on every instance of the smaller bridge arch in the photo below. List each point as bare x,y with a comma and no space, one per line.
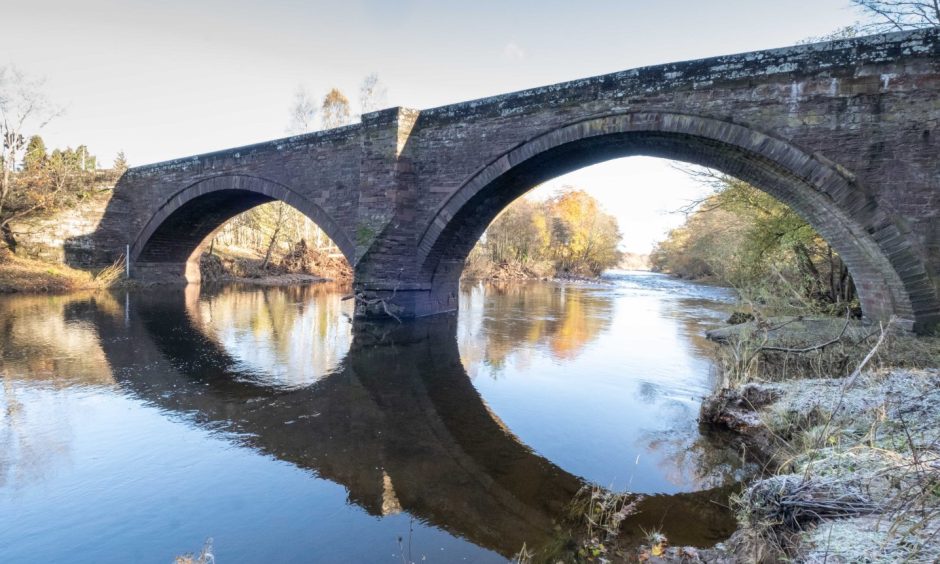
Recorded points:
888,275
168,245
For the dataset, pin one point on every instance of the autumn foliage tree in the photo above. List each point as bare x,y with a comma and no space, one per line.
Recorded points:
335,112
743,237
568,234
584,237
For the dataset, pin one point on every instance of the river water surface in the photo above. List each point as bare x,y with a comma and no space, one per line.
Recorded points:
134,426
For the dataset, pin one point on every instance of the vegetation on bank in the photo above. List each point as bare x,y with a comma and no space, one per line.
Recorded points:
302,263
33,181
272,240
568,235
19,274
742,237
845,420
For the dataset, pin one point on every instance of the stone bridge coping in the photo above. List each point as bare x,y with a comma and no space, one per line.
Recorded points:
842,53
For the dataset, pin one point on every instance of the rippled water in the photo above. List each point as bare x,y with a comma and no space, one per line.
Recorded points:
135,426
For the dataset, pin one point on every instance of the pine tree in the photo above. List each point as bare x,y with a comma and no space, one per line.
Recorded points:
120,163
84,160
35,156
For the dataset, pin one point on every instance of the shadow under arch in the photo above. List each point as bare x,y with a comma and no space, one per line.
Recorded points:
168,244
890,279
414,436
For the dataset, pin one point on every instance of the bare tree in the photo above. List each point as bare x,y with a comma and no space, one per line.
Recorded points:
278,218
372,94
897,15
335,109
302,112
23,107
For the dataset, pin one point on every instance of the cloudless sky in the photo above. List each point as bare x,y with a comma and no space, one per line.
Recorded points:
165,79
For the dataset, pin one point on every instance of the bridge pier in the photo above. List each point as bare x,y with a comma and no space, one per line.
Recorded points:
378,297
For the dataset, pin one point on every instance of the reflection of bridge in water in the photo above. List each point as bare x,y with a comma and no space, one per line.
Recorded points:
398,424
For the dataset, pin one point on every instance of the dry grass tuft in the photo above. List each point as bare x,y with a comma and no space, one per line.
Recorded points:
22,275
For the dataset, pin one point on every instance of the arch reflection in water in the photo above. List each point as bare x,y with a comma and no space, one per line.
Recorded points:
603,379
399,424
390,415
283,336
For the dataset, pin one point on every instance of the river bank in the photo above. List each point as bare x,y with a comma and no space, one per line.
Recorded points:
25,275
851,457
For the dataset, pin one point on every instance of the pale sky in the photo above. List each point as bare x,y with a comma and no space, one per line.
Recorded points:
165,79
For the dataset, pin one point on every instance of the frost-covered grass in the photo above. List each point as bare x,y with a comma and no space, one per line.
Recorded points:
858,472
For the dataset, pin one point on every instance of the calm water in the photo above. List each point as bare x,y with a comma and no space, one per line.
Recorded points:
135,426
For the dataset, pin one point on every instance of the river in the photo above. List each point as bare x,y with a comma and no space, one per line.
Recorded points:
137,425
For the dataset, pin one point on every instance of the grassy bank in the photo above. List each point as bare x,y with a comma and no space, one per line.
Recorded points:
18,274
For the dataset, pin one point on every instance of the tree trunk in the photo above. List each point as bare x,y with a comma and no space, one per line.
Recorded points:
271,243
8,238
808,269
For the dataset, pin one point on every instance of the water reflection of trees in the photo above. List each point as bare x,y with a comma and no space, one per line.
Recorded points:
286,336
505,322
45,338
46,342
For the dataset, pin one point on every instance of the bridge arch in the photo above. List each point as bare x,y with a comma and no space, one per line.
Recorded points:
167,246
890,278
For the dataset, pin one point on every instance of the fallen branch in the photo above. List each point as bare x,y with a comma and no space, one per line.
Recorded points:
361,298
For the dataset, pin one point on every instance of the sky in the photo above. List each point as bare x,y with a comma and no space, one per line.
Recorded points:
166,79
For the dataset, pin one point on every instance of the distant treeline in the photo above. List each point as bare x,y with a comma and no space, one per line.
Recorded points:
567,235
634,261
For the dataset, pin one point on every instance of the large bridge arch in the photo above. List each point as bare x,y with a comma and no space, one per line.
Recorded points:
890,277
168,245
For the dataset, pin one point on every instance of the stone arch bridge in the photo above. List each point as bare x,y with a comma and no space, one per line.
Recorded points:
845,132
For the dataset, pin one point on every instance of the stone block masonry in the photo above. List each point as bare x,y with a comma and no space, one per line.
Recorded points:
845,132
